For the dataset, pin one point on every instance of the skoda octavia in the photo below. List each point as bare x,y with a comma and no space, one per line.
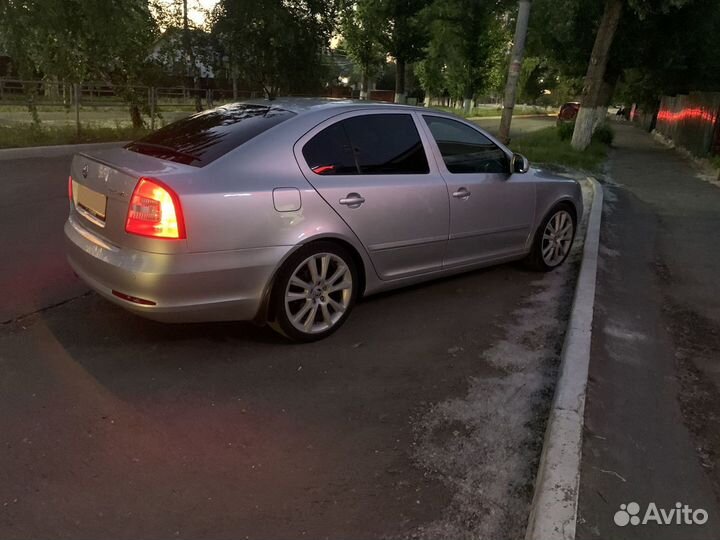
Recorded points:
288,211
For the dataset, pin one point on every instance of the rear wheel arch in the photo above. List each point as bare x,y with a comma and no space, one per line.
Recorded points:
266,313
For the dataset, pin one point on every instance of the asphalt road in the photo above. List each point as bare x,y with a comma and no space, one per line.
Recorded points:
422,417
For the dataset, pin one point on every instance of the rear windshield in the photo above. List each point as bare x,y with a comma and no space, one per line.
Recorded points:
202,138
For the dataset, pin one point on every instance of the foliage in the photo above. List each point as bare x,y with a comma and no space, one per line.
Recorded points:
276,44
403,32
660,47
565,130
673,51
604,134
19,136
468,42
360,26
544,147
75,40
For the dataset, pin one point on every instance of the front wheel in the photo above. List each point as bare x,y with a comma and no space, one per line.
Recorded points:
314,292
553,240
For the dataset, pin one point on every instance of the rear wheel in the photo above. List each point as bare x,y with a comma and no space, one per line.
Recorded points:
553,239
314,292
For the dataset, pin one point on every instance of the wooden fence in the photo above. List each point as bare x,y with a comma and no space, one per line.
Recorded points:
691,121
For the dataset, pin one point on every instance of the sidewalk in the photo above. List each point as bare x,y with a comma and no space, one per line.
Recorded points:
653,407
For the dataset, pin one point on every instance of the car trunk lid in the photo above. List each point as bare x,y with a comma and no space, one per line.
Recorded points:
102,186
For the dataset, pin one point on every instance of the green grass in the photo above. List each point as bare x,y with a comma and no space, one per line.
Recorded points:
484,112
545,147
28,135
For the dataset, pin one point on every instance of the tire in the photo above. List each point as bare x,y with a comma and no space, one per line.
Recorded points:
560,216
321,305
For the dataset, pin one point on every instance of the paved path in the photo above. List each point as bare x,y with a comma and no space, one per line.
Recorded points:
652,409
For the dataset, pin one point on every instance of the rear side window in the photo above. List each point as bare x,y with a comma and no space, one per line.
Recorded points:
369,144
466,150
204,137
329,152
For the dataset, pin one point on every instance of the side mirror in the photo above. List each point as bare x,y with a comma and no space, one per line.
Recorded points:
519,164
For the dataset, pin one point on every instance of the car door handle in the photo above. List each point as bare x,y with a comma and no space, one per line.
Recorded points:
353,200
461,193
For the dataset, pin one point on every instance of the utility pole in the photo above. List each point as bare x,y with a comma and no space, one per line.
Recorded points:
518,50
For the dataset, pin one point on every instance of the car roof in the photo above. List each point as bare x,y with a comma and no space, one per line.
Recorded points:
300,105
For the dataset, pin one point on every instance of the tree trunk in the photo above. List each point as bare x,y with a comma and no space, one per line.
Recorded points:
518,51
585,122
198,96
606,93
400,81
364,85
136,116
467,106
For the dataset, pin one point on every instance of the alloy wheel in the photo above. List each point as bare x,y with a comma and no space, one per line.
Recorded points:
557,238
318,293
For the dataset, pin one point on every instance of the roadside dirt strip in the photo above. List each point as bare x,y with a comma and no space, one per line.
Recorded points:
554,508
484,446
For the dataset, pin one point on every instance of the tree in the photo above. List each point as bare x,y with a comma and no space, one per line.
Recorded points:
585,121
668,53
596,88
360,24
78,40
467,40
516,59
403,35
276,44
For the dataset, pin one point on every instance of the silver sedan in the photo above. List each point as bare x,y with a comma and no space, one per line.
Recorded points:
288,211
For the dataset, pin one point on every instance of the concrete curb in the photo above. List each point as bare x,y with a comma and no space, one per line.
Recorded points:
553,514
54,151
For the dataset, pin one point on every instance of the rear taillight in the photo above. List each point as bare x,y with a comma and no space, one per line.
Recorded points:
155,211
70,181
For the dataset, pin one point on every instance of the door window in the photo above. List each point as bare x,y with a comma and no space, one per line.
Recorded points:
329,152
466,150
368,144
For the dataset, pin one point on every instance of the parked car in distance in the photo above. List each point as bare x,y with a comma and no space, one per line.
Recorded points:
288,211
568,112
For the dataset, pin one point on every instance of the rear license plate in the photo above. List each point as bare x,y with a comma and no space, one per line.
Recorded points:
90,201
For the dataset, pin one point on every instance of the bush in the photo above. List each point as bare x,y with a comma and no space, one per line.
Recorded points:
545,147
604,134
565,130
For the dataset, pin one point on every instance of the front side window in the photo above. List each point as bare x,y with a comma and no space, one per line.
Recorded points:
464,149
368,144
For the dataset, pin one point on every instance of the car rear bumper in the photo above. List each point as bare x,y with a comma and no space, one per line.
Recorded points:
184,287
